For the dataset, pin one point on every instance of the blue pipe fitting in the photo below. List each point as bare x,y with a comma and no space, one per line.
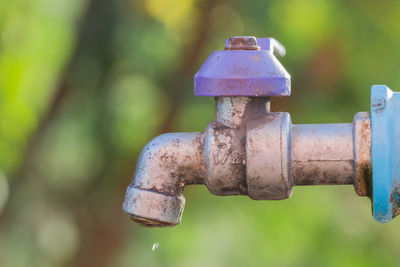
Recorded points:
385,146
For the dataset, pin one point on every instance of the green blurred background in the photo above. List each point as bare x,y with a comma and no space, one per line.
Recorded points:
84,85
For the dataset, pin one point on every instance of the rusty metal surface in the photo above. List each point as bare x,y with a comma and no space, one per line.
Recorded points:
322,154
250,151
224,159
242,43
225,155
153,209
267,157
165,166
234,112
362,154
247,150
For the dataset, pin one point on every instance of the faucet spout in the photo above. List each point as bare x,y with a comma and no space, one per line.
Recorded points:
167,163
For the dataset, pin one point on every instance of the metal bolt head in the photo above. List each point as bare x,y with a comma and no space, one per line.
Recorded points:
242,43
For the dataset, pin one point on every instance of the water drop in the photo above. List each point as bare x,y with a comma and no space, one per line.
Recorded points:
155,246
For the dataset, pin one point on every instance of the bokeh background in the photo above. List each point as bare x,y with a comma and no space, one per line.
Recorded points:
84,85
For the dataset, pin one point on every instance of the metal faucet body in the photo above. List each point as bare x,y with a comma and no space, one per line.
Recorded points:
247,149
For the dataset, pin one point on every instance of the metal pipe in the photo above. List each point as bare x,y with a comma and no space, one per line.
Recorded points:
322,154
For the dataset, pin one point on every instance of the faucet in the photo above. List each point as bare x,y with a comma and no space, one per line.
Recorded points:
249,150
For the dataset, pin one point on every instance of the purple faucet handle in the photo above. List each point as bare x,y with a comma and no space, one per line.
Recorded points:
247,67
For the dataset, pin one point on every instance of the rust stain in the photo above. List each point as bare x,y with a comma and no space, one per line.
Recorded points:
150,222
362,164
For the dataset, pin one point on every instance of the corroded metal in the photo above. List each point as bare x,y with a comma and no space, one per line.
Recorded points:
242,43
247,149
165,166
322,154
268,157
362,154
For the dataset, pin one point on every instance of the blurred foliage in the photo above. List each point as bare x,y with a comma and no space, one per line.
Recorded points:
85,84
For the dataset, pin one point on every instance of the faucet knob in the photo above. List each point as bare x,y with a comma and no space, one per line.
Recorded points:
247,67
